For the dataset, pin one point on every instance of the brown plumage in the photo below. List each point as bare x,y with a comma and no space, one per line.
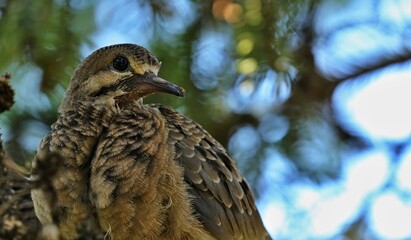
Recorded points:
139,171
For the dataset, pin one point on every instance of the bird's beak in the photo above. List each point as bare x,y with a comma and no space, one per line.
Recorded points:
151,83
143,85
140,86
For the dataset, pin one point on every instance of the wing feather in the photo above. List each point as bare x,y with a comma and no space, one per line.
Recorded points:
222,198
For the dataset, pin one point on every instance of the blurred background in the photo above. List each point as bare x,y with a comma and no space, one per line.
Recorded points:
310,97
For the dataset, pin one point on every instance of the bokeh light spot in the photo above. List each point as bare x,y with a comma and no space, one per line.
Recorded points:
245,46
273,127
247,65
253,12
227,10
378,108
218,8
391,217
247,87
233,12
244,144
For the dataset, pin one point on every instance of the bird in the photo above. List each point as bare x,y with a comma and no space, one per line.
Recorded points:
138,171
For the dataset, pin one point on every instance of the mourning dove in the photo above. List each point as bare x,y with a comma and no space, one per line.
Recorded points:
138,171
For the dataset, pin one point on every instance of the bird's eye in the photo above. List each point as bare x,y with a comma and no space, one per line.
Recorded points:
120,63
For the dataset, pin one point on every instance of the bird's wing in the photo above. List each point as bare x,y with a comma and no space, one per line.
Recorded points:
222,198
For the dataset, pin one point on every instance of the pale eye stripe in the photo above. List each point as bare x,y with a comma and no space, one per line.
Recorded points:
105,81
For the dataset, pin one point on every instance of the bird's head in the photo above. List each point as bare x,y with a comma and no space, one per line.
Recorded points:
117,73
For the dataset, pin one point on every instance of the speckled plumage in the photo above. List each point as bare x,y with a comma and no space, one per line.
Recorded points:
139,171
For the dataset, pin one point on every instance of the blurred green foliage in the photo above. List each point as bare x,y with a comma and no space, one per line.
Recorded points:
43,36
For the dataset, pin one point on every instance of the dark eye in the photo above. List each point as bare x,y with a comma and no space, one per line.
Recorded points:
120,63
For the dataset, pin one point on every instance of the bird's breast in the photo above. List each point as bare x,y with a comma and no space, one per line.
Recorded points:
73,137
120,170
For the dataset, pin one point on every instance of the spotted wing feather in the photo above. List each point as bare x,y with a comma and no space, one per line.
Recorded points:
222,198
